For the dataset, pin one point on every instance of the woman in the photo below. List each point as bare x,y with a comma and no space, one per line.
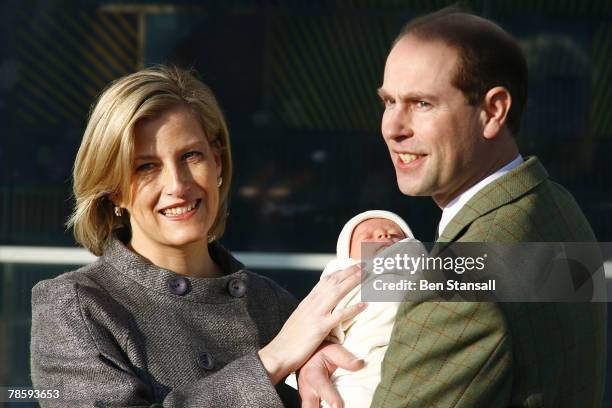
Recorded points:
166,315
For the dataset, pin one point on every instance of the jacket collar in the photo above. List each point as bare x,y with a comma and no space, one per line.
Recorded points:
145,273
505,189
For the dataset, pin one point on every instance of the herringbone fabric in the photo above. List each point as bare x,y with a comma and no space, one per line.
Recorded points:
485,354
114,334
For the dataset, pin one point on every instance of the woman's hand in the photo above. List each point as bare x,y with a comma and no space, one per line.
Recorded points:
310,323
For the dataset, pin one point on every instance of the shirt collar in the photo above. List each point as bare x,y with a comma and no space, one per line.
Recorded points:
455,205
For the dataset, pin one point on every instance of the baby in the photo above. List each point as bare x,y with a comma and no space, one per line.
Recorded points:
366,335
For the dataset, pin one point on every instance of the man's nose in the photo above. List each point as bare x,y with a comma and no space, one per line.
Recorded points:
397,125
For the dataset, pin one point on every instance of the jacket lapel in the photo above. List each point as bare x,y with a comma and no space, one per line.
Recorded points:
505,189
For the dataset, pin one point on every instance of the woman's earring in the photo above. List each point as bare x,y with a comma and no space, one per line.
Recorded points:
117,211
211,238
219,181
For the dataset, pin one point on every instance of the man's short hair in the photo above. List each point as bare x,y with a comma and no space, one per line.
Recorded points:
488,56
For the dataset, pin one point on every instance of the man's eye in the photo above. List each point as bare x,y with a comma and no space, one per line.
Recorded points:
423,105
387,102
193,155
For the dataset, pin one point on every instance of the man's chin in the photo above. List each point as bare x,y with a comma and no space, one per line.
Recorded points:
409,184
411,190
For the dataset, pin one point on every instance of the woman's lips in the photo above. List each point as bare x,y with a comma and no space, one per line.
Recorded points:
181,213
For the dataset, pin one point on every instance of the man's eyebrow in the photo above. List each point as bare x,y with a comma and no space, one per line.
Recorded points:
382,93
411,96
416,96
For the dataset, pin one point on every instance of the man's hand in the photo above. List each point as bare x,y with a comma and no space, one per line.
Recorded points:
314,384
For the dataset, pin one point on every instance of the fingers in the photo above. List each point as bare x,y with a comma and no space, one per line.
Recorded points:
353,365
337,356
342,274
331,288
318,387
340,315
329,394
310,399
338,288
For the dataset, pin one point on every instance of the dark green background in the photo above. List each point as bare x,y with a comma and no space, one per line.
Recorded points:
297,82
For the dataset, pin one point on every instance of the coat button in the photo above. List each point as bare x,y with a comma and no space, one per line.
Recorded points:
236,287
178,285
206,361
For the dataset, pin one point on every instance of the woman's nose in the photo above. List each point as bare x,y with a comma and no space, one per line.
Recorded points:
175,181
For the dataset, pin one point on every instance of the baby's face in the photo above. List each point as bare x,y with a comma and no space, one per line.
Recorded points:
375,230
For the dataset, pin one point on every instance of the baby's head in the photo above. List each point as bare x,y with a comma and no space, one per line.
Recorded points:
379,233
370,226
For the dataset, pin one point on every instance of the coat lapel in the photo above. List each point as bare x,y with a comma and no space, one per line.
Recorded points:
500,192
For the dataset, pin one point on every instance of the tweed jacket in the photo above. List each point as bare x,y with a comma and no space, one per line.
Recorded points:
124,332
484,354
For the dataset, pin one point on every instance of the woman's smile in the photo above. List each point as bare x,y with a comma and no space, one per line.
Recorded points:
181,211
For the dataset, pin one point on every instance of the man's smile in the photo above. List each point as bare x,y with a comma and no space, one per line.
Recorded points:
408,160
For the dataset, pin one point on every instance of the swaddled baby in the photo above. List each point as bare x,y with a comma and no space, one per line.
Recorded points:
367,334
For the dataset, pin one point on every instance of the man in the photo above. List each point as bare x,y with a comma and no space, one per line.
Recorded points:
454,90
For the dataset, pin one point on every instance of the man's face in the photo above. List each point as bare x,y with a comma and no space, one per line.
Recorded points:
433,135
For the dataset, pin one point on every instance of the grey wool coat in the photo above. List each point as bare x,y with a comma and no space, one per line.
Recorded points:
124,332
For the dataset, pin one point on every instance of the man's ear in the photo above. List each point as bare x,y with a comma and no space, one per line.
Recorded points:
496,106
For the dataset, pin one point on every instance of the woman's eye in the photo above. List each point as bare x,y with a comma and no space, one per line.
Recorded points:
145,167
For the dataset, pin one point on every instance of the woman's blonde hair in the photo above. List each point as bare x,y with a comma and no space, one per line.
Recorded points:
102,168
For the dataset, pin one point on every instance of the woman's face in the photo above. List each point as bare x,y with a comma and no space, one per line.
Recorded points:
174,182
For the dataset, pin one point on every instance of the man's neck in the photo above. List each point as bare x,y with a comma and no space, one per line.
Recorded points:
452,208
484,171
